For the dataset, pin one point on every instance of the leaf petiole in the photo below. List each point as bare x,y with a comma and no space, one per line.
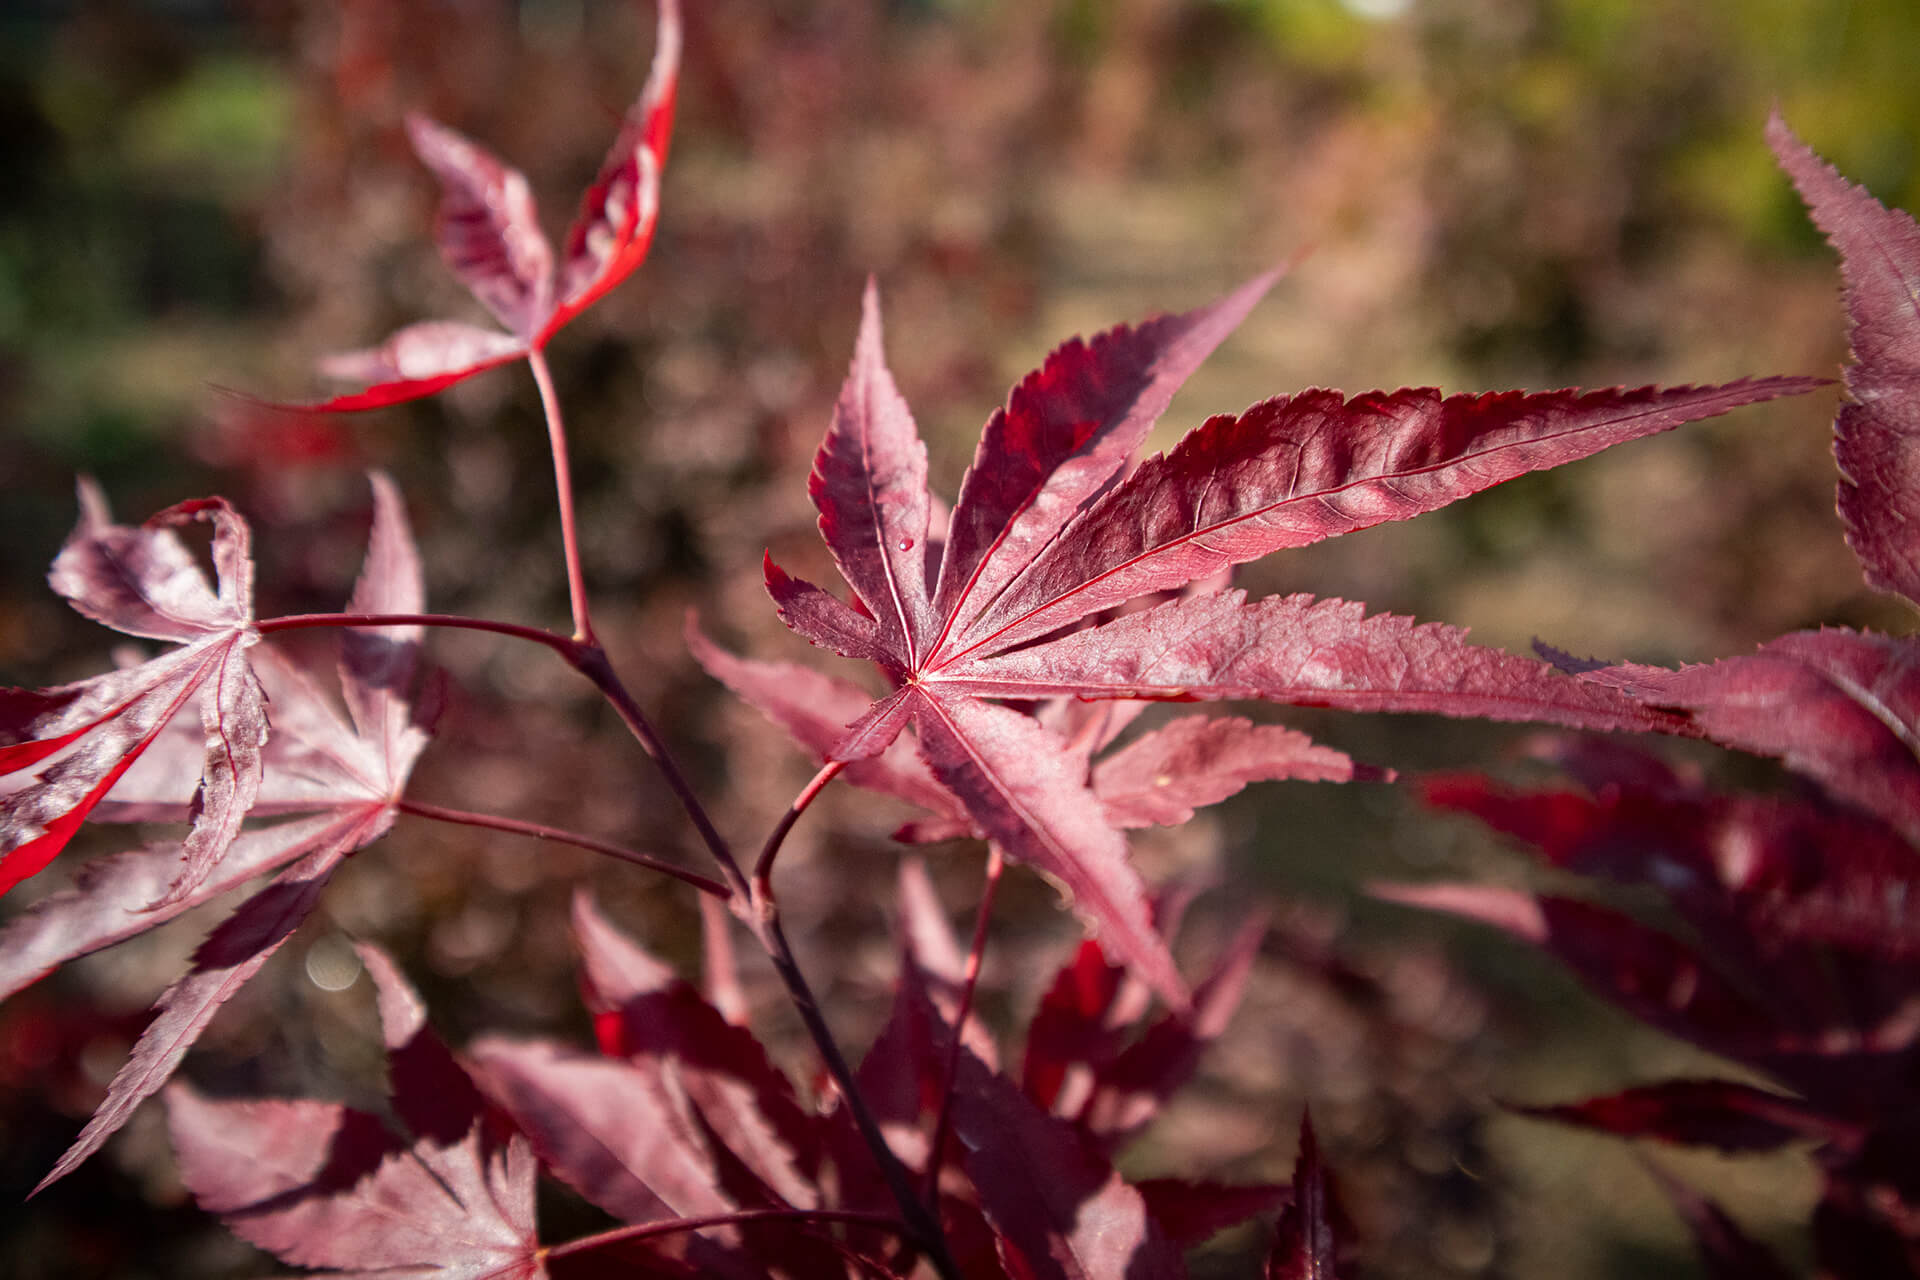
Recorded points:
563,491
563,645
738,1218
540,831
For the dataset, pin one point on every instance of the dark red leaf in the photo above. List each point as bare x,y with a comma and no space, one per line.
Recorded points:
1072,1032
1298,650
1875,437
1047,532
1867,1224
816,710
1842,707
1065,434
1802,958
1294,470
1060,1210
663,1025
612,1132
1314,1238
1129,1090
416,361
1027,795
869,483
1712,1113
826,621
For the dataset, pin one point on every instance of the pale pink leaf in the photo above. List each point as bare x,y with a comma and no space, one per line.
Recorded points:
1514,910
231,955
379,667
113,897
319,1185
233,714
103,727
143,580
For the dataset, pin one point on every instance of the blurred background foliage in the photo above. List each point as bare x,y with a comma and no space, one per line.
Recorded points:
205,194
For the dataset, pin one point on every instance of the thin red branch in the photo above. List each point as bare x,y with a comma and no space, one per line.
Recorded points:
763,918
591,662
563,645
763,866
738,1218
540,831
563,490
976,950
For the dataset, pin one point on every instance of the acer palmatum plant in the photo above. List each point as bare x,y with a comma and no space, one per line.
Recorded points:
1801,952
1016,636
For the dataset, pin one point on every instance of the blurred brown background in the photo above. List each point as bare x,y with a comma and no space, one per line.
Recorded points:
1495,193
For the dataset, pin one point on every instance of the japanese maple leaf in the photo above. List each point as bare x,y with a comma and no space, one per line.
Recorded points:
144,582
1876,435
1314,1240
1841,706
320,1185
1801,957
489,234
345,781
681,1113
1038,1178
1158,779
1801,960
1050,531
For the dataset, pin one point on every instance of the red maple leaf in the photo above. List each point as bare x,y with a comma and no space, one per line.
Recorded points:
345,781
489,234
145,582
1158,779
1314,1239
1841,706
1051,531
682,1118
320,1185
1800,959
